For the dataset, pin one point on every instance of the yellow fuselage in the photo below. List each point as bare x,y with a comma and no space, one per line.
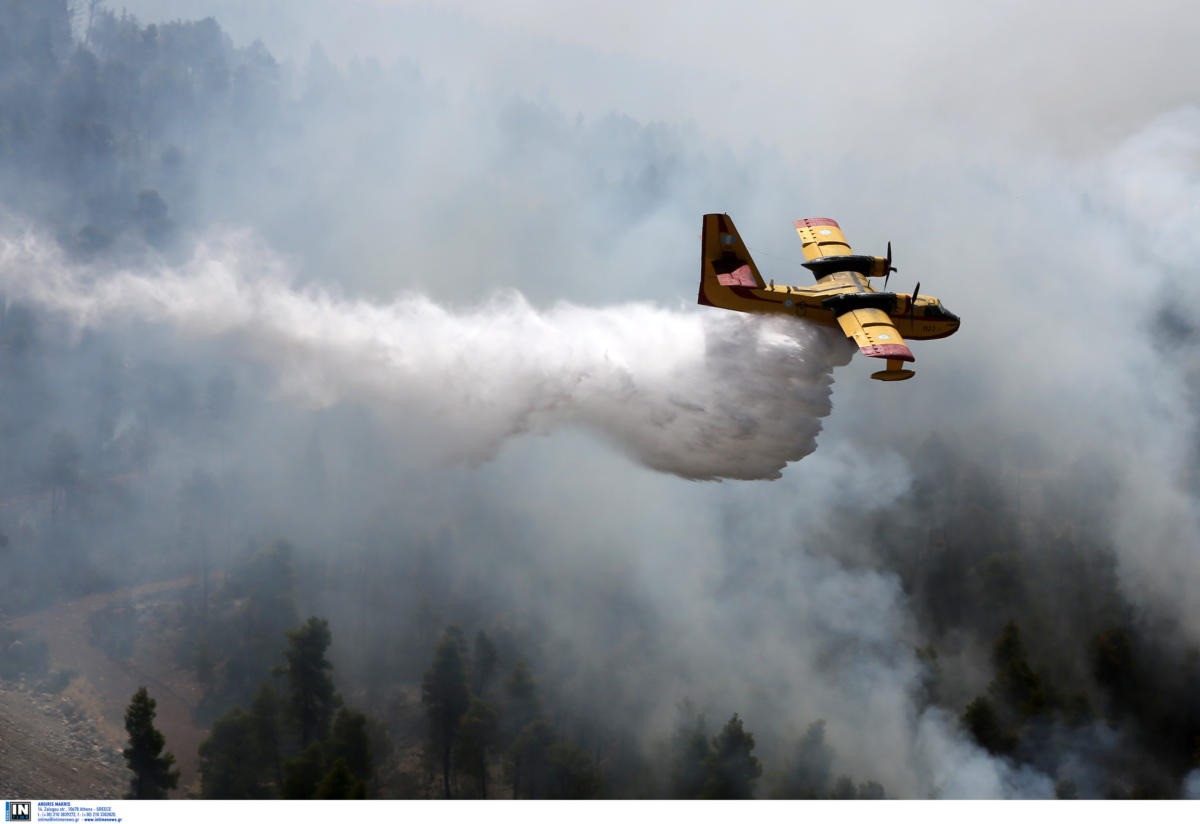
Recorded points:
911,320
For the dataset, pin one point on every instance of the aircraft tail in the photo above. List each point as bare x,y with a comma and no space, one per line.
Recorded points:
725,265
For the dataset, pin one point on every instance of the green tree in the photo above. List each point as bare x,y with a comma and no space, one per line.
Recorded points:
574,773
341,783
477,738
231,763
731,769
1015,694
241,756
981,720
529,760
350,743
690,749
302,775
266,716
1015,684
445,695
152,769
311,698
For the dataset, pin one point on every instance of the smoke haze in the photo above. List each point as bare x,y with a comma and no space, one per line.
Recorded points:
334,273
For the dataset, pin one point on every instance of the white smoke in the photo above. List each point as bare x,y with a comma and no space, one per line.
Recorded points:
1191,786
703,395
953,767
1150,187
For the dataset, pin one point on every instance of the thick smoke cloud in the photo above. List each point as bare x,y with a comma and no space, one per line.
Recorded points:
1038,469
700,397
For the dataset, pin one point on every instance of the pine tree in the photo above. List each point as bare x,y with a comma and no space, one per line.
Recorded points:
574,773
350,743
984,724
477,736
266,711
340,783
529,760
302,775
1016,685
690,749
312,698
445,695
732,770
240,758
229,759
152,772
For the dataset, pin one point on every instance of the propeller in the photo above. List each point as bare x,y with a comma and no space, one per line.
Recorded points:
888,268
912,301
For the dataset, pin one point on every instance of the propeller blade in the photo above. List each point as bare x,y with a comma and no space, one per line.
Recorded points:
912,302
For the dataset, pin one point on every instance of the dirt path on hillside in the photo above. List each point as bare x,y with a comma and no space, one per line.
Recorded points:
105,685
48,750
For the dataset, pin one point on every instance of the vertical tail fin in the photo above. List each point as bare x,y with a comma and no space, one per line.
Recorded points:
725,264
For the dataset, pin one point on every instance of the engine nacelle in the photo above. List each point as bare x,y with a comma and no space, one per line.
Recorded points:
865,265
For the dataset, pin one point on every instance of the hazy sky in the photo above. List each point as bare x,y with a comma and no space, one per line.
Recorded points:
867,76
1030,162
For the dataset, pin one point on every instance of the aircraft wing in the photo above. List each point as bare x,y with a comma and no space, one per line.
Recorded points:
875,334
822,237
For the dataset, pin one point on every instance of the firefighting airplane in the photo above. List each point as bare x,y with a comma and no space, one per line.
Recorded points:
877,321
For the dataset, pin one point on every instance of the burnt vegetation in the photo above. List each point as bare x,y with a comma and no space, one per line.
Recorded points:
415,678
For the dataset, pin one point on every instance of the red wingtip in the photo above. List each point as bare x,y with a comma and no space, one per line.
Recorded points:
816,221
894,351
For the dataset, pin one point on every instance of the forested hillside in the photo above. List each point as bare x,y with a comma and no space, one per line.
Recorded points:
542,620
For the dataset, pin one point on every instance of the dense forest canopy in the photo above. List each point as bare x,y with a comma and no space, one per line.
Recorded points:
985,589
